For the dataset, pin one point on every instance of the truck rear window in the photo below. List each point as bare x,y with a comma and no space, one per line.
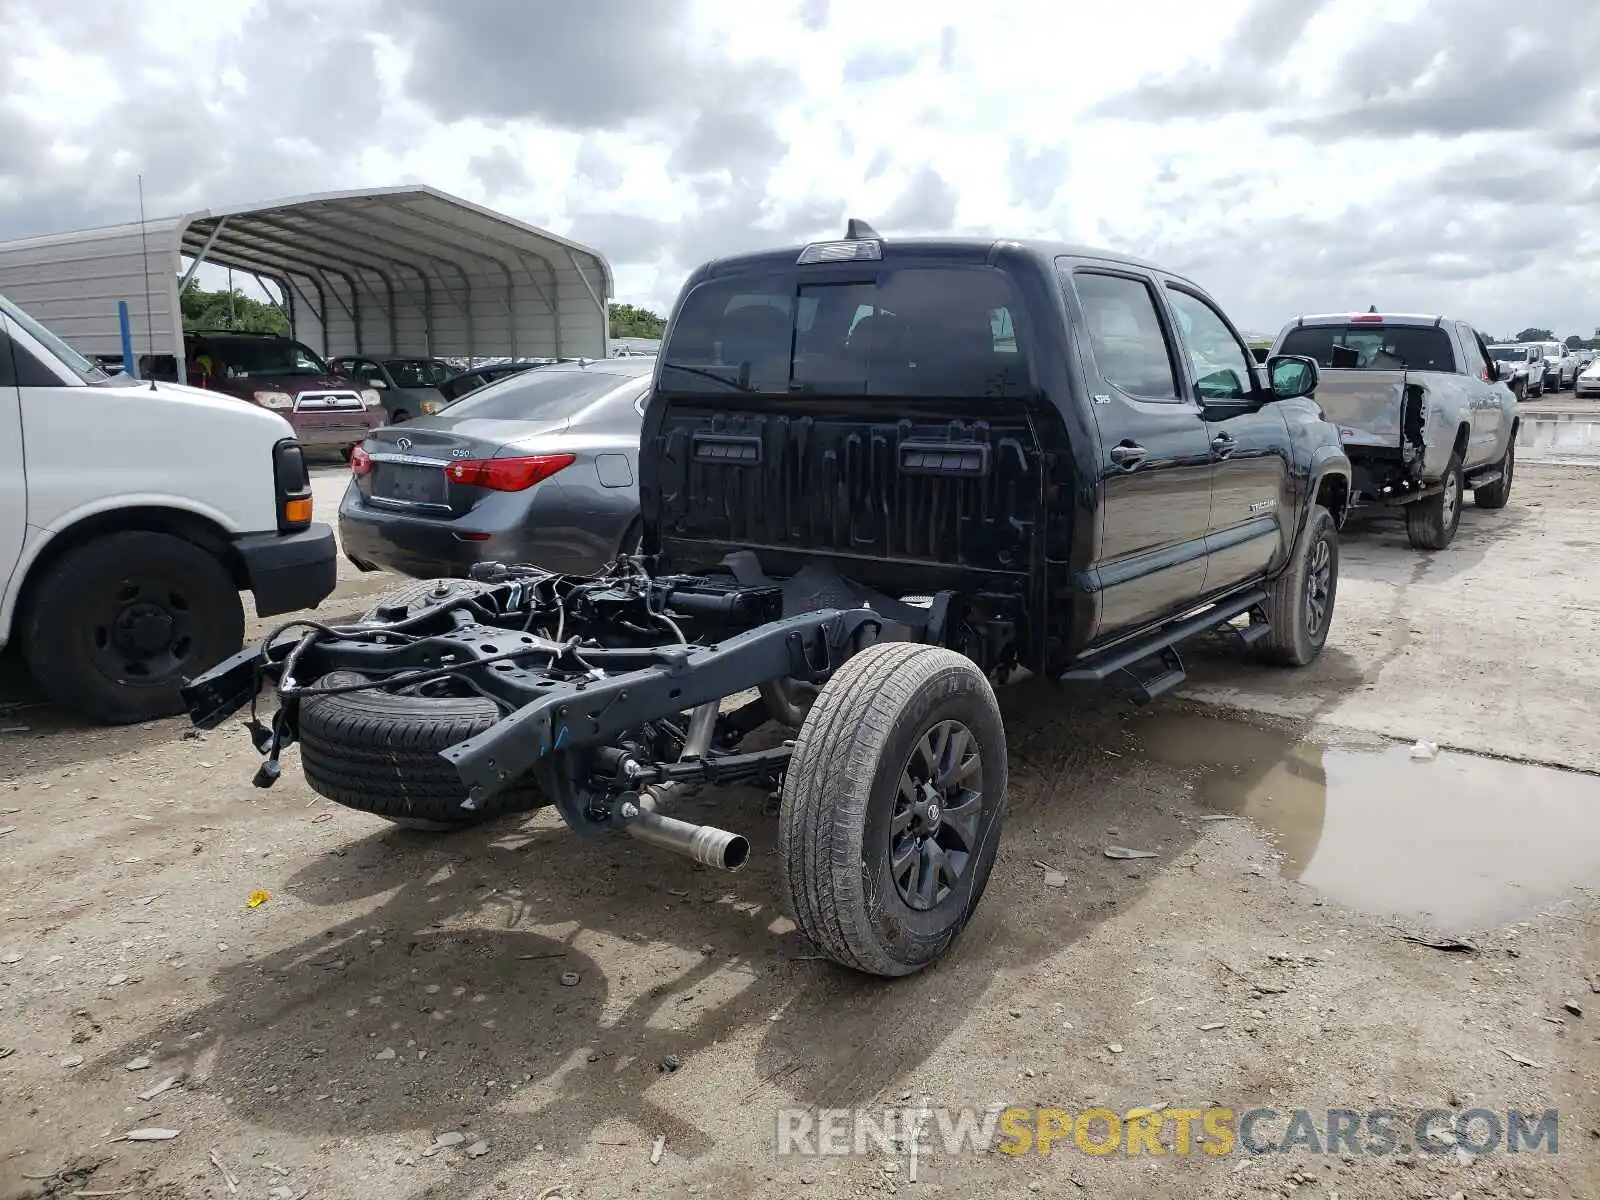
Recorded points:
1373,347
915,331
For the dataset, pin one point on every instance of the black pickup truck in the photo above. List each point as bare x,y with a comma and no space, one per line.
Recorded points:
877,478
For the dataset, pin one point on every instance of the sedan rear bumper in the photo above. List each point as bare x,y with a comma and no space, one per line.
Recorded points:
542,534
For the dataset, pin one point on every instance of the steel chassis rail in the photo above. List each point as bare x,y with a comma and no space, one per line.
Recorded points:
571,697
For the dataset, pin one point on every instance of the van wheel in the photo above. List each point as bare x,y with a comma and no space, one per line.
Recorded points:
892,807
1497,494
115,625
399,416
1300,603
1431,523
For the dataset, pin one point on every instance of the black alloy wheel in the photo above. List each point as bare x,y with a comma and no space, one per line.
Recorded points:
933,832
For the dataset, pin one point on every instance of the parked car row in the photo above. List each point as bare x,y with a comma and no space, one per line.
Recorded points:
1541,367
1588,380
331,404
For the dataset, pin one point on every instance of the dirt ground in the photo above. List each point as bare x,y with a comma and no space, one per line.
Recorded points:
565,1007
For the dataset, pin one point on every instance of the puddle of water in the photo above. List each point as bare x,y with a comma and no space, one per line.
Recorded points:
1460,842
1572,436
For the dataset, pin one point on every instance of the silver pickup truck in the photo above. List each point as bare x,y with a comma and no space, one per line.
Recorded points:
1422,410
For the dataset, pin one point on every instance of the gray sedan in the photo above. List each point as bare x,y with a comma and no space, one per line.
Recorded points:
541,467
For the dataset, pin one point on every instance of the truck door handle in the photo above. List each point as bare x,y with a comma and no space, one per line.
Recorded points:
1222,445
1128,455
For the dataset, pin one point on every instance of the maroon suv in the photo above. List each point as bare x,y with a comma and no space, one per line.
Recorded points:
281,374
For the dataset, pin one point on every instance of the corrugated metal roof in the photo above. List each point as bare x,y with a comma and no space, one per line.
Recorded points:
401,270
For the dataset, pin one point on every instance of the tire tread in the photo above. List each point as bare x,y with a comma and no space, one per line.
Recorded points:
1286,645
828,787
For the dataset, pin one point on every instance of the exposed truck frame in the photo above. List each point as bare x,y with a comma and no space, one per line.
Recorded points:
859,569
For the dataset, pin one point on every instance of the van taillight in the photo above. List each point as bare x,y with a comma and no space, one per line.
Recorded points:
507,474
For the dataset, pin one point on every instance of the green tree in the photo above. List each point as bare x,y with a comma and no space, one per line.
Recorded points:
1574,342
219,310
1536,335
628,321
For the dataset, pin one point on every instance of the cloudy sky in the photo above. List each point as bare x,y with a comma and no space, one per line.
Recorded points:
1291,155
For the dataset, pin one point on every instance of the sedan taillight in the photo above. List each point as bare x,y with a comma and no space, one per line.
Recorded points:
507,474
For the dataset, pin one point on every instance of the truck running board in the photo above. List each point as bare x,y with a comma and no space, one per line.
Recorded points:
1245,636
1141,689
1487,479
1116,664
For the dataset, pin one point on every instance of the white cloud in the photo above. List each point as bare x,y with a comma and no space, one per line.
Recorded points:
1291,154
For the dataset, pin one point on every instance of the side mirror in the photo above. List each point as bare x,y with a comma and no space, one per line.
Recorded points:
1494,371
1292,376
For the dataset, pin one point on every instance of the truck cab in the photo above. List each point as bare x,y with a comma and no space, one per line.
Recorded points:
132,515
1077,443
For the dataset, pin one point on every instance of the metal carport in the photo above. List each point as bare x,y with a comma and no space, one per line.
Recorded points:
399,270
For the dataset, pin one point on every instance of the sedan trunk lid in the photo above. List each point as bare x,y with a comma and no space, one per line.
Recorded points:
432,465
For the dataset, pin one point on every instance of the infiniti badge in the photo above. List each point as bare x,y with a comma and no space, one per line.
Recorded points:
403,443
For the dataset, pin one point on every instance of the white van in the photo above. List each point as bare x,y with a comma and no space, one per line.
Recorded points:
131,517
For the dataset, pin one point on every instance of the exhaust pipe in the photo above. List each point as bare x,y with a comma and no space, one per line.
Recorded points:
706,844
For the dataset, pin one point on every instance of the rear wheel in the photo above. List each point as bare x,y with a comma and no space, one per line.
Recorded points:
1431,523
1497,494
115,625
892,807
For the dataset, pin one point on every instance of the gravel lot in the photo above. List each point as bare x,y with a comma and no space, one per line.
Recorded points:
397,987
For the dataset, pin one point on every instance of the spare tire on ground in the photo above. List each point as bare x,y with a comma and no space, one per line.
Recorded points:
379,753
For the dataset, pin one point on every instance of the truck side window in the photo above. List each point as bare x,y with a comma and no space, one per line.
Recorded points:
1218,363
1477,361
1125,335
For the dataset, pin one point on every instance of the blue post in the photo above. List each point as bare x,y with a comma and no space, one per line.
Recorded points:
129,364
